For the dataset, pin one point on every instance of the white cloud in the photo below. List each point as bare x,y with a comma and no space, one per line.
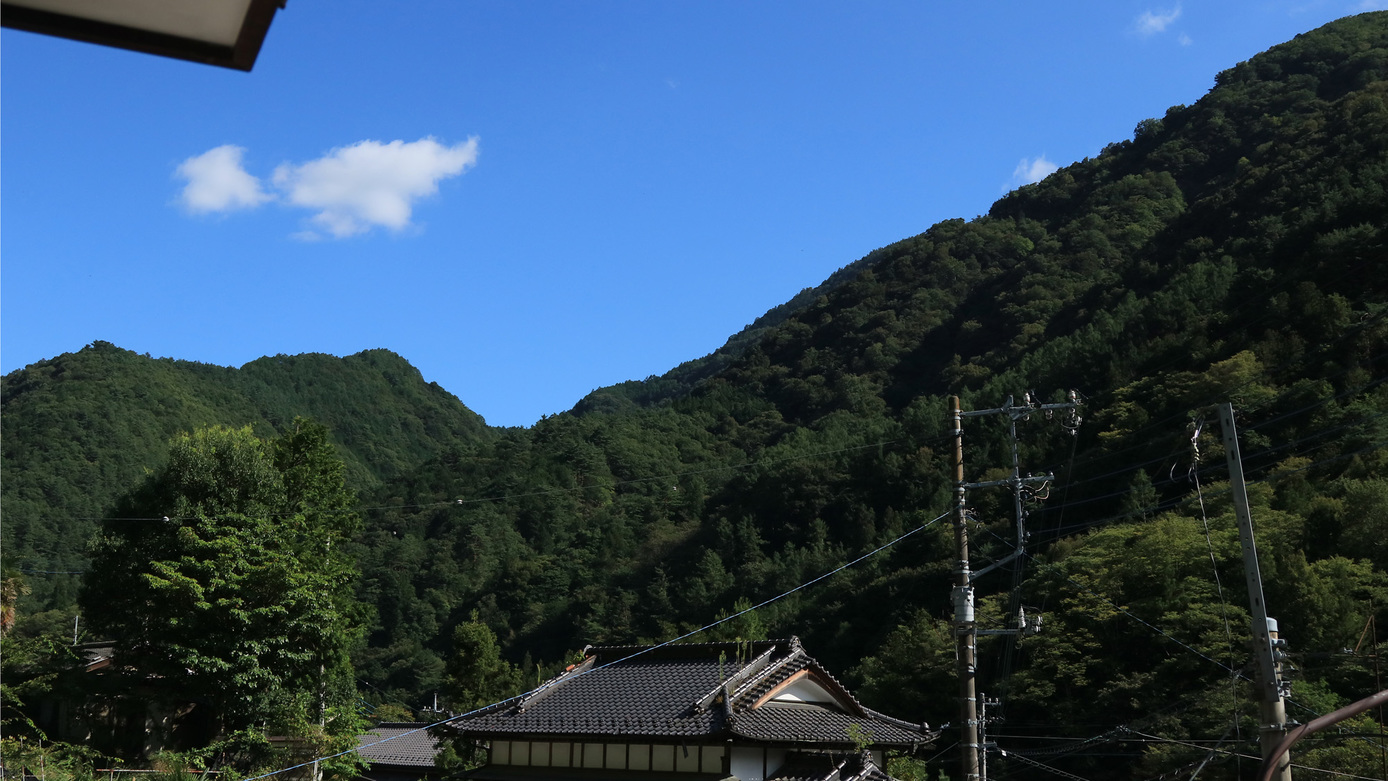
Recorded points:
352,188
1033,171
1151,23
357,187
218,183
1184,40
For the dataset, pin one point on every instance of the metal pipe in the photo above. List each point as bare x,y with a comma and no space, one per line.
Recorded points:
1316,725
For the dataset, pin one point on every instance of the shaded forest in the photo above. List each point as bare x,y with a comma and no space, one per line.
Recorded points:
1231,250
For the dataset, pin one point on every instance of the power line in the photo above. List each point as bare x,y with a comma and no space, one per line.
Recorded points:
1219,589
1224,394
1174,503
1240,755
765,462
1044,565
508,497
1367,320
1045,767
1055,533
542,492
1109,455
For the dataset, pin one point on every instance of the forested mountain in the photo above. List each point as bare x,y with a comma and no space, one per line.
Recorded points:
1232,250
81,428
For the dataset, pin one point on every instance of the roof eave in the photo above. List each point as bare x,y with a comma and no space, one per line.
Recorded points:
239,56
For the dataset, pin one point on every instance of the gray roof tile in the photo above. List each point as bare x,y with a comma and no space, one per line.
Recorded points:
404,744
677,691
805,766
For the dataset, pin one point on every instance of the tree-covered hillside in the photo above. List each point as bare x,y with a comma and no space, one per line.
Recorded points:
82,428
1232,250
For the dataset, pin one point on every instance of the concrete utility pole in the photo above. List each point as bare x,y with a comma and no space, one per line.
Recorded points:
965,630
964,612
1272,709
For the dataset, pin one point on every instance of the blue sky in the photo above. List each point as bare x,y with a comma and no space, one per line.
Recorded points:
530,200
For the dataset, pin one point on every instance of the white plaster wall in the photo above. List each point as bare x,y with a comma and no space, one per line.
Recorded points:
747,763
804,690
775,757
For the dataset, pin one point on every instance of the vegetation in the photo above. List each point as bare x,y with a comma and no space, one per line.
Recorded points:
82,428
1232,250
223,583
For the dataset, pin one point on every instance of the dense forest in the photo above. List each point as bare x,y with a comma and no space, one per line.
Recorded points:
84,427
1230,251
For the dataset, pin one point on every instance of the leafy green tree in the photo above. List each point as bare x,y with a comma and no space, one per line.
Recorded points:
224,579
30,662
912,676
476,674
1140,501
392,712
47,759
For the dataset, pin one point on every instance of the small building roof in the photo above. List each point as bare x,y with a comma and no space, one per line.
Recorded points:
770,692
812,766
405,745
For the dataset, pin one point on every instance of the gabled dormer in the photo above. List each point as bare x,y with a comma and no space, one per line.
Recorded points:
807,688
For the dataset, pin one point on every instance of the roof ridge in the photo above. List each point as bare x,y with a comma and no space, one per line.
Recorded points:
543,690
922,726
752,667
767,671
661,650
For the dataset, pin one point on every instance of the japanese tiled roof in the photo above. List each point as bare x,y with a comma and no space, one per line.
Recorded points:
407,745
804,766
693,691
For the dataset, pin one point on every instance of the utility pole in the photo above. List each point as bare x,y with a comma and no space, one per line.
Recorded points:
965,630
1267,646
964,612
983,721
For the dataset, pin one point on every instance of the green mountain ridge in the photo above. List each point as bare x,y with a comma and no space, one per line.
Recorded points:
81,428
1233,250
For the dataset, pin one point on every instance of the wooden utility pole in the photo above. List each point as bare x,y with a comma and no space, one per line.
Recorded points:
1272,709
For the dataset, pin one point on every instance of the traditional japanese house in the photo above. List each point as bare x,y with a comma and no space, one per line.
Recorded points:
694,712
